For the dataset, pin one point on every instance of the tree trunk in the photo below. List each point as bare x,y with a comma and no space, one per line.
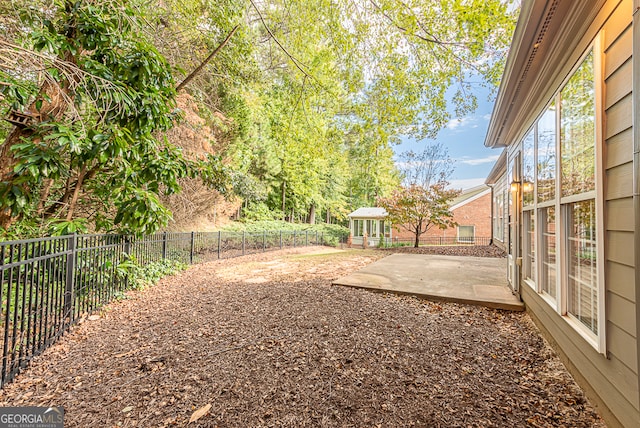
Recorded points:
312,214
416,244
53,98
328,221
284,194
76,193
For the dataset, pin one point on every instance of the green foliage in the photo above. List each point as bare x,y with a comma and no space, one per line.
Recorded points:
260,212
95,144
333,234
305,101
61,227
140,277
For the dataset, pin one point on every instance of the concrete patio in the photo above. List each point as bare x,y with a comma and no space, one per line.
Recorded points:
472,280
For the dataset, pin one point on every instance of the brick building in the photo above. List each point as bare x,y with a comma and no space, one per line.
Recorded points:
472,213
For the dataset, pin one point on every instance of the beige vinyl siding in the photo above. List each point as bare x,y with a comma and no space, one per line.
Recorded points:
618,148
619,115
620,215
619,47
620,280
618,182
617,84
622,366
614,378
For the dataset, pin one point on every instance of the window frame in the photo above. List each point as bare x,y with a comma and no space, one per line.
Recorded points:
597,341
560,203
464,240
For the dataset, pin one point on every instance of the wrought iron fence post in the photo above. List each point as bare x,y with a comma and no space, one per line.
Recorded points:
294,239
164,245
264,241
316,237
193,235
127,245
127,251
71,271
306,238
219,242
243,241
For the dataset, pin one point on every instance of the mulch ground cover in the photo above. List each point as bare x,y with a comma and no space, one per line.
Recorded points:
265,340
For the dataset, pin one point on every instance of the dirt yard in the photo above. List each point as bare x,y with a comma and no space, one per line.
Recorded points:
265,340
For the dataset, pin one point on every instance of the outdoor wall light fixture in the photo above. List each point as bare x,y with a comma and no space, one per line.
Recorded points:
527,186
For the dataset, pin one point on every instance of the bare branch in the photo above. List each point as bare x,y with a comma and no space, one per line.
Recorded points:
206,61
299,65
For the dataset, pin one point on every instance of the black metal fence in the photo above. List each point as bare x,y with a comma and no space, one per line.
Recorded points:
47,284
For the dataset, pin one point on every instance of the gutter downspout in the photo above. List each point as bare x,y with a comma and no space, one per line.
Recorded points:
491,186
636,161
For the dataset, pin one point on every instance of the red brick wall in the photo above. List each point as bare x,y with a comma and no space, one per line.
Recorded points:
475,213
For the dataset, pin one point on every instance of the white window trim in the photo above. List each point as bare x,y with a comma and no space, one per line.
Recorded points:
466,225
597,341
598,73
531,282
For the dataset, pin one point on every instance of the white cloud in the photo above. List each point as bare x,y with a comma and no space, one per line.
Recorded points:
478,161
461,122
466,183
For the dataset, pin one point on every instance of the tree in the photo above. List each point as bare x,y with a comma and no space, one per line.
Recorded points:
432,165
303,97
96,95
423,200
417,209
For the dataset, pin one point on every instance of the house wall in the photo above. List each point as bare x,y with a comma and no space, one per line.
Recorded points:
610,379
474,213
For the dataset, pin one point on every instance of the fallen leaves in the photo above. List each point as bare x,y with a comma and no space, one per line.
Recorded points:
295,351
199,413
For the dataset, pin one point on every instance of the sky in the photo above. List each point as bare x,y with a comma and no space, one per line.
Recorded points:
464,139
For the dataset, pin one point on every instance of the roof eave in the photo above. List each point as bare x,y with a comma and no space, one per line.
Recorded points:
524,27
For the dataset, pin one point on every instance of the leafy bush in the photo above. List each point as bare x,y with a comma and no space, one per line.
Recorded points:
332,234
260,212
140,277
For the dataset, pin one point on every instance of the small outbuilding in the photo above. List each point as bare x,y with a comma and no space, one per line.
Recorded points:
369,223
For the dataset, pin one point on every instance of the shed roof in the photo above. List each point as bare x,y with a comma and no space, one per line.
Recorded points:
369,212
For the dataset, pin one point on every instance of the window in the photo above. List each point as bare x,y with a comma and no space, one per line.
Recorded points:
560,204
583,279
372,228
358,228
548,251
577,131
577,169
499,197
529,260
547,155
466,233
528,168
